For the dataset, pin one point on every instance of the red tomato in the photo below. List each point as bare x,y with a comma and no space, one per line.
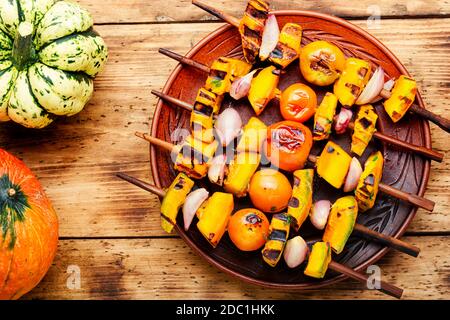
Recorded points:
288,145
298,103
248,229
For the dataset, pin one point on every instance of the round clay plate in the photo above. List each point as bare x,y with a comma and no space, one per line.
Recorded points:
401,170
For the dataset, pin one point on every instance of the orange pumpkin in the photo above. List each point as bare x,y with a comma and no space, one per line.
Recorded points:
28,229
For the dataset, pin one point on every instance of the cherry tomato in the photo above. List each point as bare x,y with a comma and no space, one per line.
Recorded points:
298,103
270,190
321,62
248,229
288,145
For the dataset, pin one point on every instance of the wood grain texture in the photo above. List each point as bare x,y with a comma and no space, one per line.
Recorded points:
146,11
168,269
76,158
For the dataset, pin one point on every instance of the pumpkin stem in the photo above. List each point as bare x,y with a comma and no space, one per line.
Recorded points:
11,192
24,53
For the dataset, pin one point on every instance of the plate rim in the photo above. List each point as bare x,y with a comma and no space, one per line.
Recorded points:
377,256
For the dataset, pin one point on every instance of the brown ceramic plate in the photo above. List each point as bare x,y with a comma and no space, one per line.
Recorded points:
402,170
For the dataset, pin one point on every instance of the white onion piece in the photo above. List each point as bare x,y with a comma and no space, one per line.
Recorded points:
192,203
342,120
241,86
353,175
270,37
373,87
295,252
228,126
319,214
216,171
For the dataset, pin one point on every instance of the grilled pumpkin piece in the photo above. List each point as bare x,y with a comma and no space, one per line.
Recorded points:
318,261
341,221
288,47
223,72
173,200
365,127
333,164
264,88
349,86
193,157
253,136
301,200
251,28
214,215
367,189
206,105
278,235
323,119
240,171
402,97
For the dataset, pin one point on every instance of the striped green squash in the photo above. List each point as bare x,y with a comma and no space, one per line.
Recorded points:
49,56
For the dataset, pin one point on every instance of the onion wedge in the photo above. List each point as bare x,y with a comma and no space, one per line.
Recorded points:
228,125
319,214
216,171
295,252
192,203
241,86
373,87
270,37
342,120
353,175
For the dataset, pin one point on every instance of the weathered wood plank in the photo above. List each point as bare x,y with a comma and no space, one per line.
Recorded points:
126,11
76,158
167,269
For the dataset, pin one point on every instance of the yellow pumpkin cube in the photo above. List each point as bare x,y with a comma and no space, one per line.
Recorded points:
365,127
173,200
253,136
340,224
264,88
324,117
402,97
333,164
318,261
301,200
240,171
214,215
352,81
278,235
367,190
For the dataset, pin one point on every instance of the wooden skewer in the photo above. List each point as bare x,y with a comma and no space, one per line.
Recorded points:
429,153
424,113
384,239
385,287
217,13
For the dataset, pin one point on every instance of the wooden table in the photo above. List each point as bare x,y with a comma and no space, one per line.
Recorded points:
110,230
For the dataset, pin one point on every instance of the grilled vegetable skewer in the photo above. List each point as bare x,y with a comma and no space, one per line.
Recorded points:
323,120
212,222
385,287
363,129
300,206
353,81
320,261
334,163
